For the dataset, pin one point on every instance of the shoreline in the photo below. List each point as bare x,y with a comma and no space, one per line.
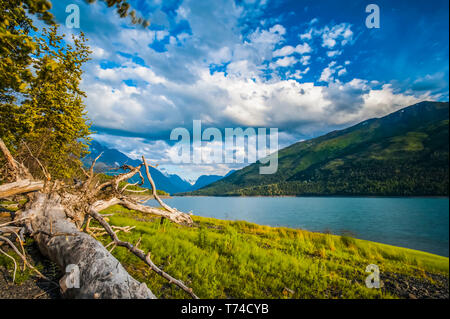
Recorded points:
321,233
316,196
320,226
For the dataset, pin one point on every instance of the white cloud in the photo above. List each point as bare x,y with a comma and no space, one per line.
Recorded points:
179,87
332,54
342,71
307,36
128,71
286,50
303,48
341,32
284,62
278,28
305,60
378,103
160,35
298,74
327,73
98,53
332,69
244,69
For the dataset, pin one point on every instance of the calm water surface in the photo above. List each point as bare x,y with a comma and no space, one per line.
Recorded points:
417,223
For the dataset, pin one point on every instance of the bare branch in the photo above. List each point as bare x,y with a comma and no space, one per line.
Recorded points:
154,192
54,211
174,215
14,221
25,259
21,186
9,159
17,170
44,171
91,169
139,253
15,264
136,191
114,182
84,172
125,187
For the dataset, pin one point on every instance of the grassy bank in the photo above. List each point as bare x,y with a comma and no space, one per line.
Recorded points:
225,259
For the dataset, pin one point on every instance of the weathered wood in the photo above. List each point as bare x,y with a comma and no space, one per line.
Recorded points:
154,192
20,187
139,253
101,274
9,159
174,216
51,218
17,170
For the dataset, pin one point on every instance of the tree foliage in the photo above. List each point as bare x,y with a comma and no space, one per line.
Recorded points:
41,104
123,9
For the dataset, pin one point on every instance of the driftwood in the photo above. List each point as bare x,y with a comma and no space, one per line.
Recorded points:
55,215
20,187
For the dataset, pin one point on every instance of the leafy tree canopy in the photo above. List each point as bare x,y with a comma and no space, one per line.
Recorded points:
43,118
41,106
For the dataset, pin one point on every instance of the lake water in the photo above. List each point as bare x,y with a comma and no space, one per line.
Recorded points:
417,223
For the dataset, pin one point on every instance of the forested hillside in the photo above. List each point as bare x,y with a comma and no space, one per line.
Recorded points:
403,153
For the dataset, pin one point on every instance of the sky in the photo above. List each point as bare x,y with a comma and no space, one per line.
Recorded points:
303,67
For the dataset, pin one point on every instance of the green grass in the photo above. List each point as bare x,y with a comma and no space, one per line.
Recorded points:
21,275
237,259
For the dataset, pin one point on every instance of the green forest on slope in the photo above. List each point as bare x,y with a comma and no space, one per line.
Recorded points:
402,154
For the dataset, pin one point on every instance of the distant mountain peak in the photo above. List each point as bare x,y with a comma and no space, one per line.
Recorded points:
170,183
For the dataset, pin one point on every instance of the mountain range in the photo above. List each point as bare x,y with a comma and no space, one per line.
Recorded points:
170,183
405,153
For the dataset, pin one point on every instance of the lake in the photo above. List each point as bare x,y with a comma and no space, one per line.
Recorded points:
417,223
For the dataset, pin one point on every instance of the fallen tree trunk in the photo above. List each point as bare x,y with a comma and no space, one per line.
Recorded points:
53,218
20,187
100,274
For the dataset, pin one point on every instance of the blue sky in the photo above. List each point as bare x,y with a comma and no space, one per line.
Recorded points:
304,67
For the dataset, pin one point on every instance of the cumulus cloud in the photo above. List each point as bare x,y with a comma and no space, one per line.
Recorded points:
211,70
338,34
298,74
307,36
284,62
288,50
335,53
328,74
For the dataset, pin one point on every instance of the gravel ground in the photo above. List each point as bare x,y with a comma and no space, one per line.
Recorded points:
435,287
30,289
